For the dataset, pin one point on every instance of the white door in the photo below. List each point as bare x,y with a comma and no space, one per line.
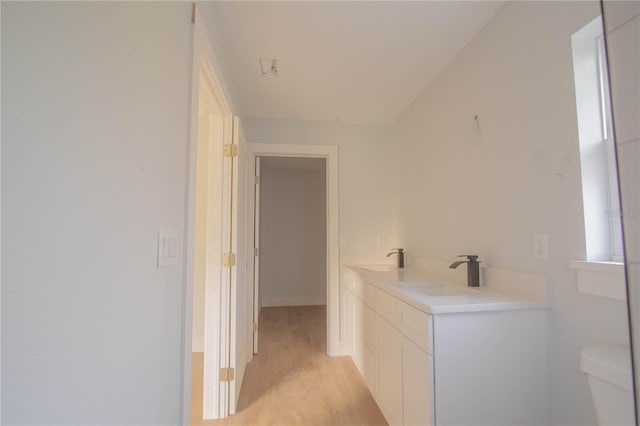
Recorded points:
218,256
233,300
220,315
217,278
256,254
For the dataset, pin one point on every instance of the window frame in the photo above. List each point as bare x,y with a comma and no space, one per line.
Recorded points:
598,163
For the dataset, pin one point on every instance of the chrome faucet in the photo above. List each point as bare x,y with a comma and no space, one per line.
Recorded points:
473,269
400,253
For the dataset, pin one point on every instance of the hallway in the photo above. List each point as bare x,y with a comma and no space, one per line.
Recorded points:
292,381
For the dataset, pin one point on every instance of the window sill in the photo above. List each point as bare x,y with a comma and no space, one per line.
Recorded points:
602,279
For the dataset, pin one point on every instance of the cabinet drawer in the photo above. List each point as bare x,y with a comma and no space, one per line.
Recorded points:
369,295
417,326
411,322
387,306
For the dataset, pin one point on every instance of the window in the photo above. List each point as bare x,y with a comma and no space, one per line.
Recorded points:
602,216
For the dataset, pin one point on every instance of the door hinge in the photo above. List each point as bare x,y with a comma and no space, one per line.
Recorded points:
255,327
230,150
227,374
255,252
229,259
257,180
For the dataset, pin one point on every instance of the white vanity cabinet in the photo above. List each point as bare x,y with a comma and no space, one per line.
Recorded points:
397,371
479,365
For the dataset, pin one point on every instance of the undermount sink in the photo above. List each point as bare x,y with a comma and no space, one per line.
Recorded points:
416,284
378,268
409,281
433,288
444,291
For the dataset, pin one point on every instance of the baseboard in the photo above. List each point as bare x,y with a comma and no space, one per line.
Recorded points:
293,301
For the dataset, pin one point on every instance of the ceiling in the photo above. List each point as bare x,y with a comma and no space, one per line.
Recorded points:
355,62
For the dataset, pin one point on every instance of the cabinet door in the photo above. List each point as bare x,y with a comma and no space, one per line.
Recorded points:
370,348
347,318
390,372
418,385
358,333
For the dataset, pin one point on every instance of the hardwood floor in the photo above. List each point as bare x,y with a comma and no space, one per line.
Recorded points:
292,381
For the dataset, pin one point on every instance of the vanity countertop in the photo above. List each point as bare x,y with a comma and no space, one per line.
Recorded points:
431,295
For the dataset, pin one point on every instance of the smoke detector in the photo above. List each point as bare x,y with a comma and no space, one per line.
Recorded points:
268,67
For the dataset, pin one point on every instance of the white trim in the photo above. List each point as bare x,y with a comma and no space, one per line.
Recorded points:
255,243
243,341
0,232
607,267
602,279
293,301
330,153
187,246
232,313
249,245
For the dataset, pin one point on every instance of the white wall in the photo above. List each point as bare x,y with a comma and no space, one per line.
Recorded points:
367,189
488,189
293,237
94,107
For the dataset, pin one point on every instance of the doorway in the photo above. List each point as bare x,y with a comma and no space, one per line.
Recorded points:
292,249
279,157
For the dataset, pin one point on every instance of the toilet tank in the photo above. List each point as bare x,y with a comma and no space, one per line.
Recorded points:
608,368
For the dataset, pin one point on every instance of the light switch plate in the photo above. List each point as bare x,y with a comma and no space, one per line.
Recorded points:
540,246
167,247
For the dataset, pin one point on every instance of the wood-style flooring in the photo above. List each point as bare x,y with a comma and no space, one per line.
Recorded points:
292,381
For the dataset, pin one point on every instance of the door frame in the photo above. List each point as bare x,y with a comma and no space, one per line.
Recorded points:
330,153
202,59
0,242
255,244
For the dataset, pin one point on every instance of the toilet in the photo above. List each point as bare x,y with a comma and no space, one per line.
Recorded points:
608,368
